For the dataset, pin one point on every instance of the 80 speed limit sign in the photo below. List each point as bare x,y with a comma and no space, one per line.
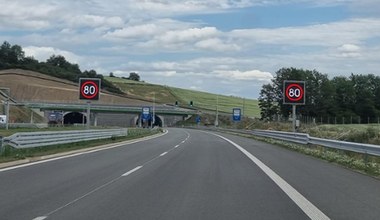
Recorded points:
89,88
294,92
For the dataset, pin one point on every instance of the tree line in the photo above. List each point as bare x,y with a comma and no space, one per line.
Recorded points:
355,97
12,56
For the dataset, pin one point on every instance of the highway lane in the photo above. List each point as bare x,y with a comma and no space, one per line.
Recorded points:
186,174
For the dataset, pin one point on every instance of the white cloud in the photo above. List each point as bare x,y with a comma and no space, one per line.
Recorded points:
256,75
349,50
95,21
139,31
187,35
25,14
44,53
330,34
216,44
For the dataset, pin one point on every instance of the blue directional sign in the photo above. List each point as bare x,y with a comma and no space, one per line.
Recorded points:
198,119
146,113
236,114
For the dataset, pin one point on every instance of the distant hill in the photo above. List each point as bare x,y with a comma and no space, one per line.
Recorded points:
201,100
32,86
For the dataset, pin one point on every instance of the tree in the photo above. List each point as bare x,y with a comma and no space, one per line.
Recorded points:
111,74
60,61
134,76
11,55
344,96
267,102
365,88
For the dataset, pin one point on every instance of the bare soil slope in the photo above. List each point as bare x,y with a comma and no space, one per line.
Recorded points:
36,87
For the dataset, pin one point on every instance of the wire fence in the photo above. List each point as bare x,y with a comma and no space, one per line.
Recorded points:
333,120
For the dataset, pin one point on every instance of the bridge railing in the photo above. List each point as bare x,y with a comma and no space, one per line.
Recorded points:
39,139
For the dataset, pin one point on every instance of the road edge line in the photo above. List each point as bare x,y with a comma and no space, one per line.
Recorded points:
304,204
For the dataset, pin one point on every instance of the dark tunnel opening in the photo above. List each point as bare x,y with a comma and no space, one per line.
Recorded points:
148,123
74,118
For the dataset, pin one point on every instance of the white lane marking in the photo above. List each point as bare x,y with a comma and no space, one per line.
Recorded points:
78,154
305,205
176,146
82,197
40,218
131,171
163,154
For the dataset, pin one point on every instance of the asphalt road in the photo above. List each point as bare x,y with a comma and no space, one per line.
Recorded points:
188,174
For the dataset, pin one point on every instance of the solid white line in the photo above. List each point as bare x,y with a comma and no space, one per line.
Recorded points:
131,171
163,154
305,205
40,218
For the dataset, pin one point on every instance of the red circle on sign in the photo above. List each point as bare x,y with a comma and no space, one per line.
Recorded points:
294,86
91,96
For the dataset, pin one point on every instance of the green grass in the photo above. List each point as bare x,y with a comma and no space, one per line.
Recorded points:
359,162
201,100
361,133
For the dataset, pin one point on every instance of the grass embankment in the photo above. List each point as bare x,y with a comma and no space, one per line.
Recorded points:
11,154
201,100
359,133
359,162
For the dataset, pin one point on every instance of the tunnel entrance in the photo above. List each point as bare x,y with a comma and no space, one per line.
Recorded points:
148,123
74,118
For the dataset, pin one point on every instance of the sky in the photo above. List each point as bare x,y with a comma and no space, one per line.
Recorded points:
219,46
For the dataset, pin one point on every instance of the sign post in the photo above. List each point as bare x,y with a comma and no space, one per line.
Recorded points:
145,115
7,107
89,89
236,114
294,94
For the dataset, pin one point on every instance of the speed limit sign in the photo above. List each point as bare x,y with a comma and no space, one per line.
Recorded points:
89,88
294,92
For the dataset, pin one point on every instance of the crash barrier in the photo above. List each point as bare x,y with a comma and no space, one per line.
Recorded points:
303,138
39,139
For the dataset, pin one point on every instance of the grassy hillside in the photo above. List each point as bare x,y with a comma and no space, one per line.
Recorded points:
202,100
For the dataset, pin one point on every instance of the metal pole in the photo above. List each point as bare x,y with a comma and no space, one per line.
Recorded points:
8,100
153,113
88,114
243,107
7,114
8,91
294,118
217,113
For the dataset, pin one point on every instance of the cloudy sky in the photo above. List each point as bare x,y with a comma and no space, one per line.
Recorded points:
220,46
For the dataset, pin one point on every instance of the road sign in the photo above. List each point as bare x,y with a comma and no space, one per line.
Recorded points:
3,119
145,113
198,119
236,114
89,88
294,92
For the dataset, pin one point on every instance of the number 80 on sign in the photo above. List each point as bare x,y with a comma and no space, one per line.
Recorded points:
294,92
89,88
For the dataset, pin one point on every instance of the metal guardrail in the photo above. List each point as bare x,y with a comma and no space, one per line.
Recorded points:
305,139
37,139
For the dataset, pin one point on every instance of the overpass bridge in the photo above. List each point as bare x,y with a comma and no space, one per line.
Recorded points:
110,115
